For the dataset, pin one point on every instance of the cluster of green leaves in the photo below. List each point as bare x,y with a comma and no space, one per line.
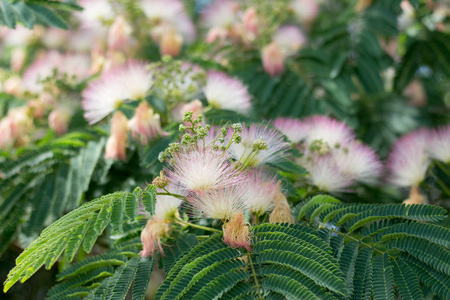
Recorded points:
359,251
43,183
31,12
81,228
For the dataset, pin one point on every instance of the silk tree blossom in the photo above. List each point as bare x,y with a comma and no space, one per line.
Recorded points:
116,144
94,14
220,14
166,206
226,92
119,35
409,160
201,171
290,39
159,225
222,203
145,125
15,127
328,130
260,145
73,66
261,191
439,147
130,81
325,174
306,11
250,22
358,161
294,129
169,15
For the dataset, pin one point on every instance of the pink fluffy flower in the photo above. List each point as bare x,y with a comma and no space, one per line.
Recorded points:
226,92
169,15
290,39
245,152
167,206
15,127
129,81
325,174
294,129
119,35
220,14
155,230
329,131
221,203
440,144
203,170
358,161
306,10
250,22
408,160
261,190
145,125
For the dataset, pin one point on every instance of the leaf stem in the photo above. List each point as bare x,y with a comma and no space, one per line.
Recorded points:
356,240
254,275
197,226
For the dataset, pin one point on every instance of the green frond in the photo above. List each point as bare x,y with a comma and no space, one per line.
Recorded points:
438,282
298,231
383,278
341,213
431,254
431,232
120,283
414,212
54,240
337,245
288,287
406,281
211,244
317,272
198,268
316,205
347,262
142,277
240,289
285,271
183,244
221,284
362,283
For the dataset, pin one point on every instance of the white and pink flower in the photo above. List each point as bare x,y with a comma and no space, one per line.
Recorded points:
117,142
328,130
440,144
409,160
203,170
226,92
130,81
261,191
294,129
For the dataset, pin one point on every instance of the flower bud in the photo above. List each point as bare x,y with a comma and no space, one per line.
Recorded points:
119,35
171,43
273,59
282,211
116,144
250,21
145,125
13,86
18,56
161,181
152,234
236,233
58,120
216,33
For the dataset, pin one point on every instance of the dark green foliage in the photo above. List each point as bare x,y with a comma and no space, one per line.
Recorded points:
31,12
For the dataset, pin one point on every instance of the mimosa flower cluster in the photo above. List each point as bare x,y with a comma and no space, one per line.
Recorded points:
335,160
413,154
217,182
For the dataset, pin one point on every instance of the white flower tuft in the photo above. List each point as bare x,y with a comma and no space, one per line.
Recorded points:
439,147
225,92
294,129
261,190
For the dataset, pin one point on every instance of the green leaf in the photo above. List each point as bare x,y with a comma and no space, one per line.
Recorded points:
406,281
7,13
120,283
142,278
47,16
149,198
383,280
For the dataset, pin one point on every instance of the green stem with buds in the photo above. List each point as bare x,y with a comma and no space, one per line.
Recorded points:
197,226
